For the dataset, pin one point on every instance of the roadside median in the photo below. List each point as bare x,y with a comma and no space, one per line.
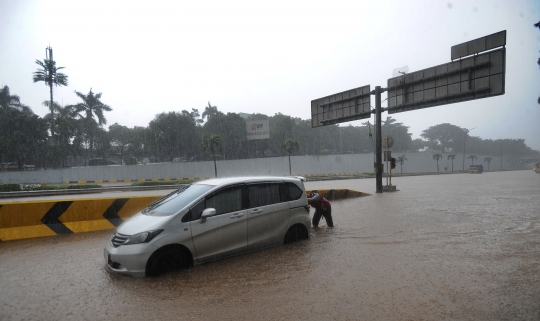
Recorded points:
23,220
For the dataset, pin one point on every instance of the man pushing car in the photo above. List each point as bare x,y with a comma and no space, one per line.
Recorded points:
322,208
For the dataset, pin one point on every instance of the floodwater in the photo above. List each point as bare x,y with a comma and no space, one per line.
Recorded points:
448,247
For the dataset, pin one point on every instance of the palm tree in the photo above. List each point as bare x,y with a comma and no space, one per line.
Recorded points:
91,106
437,157
50,76
8,101
401,160
209,141
488,160
472,157
290,145
452,156
209,111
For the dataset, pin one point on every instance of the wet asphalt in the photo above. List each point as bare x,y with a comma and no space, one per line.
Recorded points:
448,247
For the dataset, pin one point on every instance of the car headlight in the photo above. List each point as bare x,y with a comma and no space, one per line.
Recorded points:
143,237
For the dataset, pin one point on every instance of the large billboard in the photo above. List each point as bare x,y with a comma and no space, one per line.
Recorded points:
341,107
470,76
258,129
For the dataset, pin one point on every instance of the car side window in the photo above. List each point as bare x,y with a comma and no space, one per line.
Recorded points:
264,194
292,192
195,212
226,200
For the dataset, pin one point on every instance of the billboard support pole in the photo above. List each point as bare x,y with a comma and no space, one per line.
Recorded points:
378,140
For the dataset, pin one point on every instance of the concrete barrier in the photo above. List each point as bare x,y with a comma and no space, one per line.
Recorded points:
23,220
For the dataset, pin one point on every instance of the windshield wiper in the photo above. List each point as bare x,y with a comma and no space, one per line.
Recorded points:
164,199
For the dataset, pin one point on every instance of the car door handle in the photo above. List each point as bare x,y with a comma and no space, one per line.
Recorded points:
237,215
257,211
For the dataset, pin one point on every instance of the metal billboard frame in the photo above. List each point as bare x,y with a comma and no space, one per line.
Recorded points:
473,76
342,107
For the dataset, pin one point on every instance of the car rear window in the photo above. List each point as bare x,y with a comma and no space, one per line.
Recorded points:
293,192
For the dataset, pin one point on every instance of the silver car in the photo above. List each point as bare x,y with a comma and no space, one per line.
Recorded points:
210,220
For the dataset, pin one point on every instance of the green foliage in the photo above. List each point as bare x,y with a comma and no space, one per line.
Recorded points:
401,160
472,158
62,187
130,161
437,157
48,73
8,101
452,157
211,142
399,132
23,137
444,137
290,145
10,187
173,135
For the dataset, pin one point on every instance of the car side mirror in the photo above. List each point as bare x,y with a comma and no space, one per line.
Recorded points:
207,213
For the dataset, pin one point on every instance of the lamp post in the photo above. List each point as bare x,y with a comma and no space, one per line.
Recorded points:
464,139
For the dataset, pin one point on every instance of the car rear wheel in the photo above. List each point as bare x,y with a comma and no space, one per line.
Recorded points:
295,233
167,260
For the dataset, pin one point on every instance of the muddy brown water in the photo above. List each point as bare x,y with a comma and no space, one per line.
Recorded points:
448,247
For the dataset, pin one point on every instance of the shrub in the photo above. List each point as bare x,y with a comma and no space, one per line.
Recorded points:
10,187
59,187
130,160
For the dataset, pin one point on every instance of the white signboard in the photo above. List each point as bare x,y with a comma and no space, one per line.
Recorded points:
258,129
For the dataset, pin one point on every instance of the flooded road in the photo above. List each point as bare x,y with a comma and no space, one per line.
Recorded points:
448,247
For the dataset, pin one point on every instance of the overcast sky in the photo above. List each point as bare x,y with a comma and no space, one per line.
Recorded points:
148,57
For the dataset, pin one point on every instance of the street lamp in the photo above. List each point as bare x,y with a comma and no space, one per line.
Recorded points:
464,139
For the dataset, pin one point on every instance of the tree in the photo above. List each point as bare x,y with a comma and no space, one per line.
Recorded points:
452,156
92,107
50,76
120,137
399,132
174,135
472,158
401,160
210,111
8,101
66,129
22,138
211,142
444,137
487,160
437,157
290,145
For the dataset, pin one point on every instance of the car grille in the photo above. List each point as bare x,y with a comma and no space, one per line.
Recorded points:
118,239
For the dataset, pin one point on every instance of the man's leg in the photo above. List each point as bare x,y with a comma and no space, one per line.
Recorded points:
316,218
328,217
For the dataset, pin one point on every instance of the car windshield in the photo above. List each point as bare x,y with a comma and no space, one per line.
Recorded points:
176,201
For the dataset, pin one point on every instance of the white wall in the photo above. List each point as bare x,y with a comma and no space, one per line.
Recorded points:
301,165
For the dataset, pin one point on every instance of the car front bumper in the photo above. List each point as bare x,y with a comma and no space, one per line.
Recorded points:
128,259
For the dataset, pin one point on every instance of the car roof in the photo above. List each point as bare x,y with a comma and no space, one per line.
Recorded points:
246,179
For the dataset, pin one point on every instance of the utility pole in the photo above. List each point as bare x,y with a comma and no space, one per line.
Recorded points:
378,141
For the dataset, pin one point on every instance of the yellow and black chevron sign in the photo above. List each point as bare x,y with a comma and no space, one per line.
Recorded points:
21,220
